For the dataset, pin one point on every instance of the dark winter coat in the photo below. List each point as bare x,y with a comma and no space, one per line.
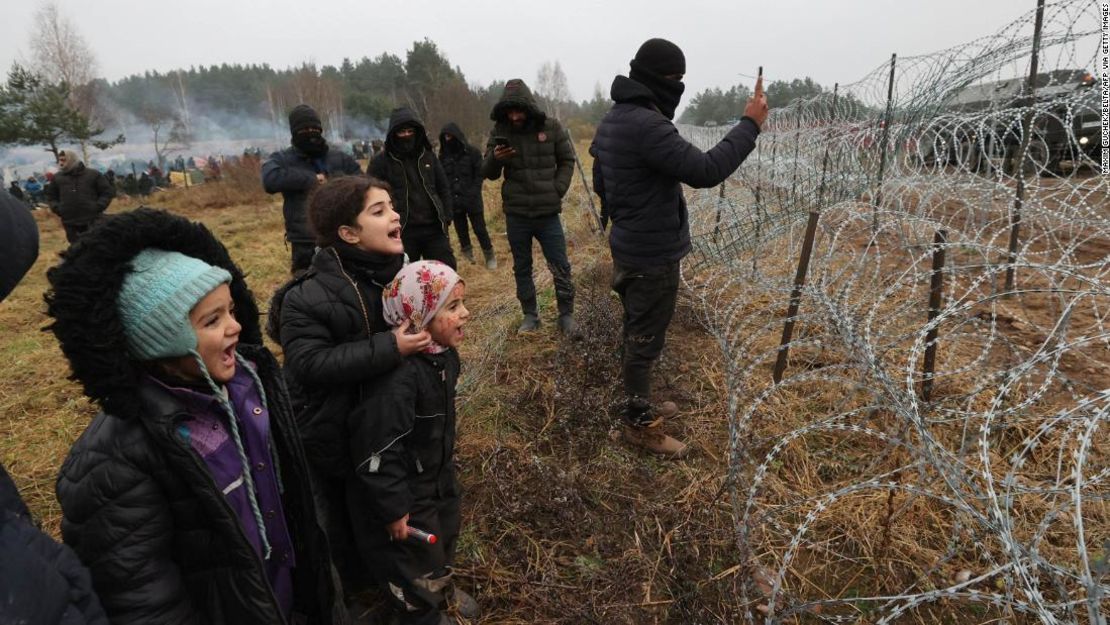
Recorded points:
403,438
329,322
292,173
41,581
390,167
79,195
640,166
538,176
462,163
139,506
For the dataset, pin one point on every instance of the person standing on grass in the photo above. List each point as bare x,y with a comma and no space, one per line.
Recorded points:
640,165
402,450
462,163
16,191
331,329
41,581
420,190
534,154
296,170
188,496
79,195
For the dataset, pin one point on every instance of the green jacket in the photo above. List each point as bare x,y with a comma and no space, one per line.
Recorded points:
538,176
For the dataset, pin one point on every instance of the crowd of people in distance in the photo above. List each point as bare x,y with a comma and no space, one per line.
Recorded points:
219,485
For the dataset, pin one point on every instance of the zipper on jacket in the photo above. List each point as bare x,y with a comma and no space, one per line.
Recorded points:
358,293
260,567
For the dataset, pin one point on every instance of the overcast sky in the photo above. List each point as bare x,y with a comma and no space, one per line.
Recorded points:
829,41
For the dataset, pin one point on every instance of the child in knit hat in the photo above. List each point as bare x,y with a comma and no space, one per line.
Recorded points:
403,448
188,495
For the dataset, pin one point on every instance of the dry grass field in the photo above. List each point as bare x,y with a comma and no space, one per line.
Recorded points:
560,523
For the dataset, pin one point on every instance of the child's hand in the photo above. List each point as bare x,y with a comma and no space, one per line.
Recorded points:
399,529
409,344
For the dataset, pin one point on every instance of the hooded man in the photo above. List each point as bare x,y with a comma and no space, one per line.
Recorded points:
462,163
78,194
294,171
535,155
421,194
640,165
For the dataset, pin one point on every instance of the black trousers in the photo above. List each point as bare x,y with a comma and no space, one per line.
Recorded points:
302,256
648,295
332,509
477,218
428,243
416,575
548,230
74,231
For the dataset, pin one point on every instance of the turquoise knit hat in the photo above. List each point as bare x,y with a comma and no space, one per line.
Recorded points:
155,300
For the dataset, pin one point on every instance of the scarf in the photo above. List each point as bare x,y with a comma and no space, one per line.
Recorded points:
665,92
417,293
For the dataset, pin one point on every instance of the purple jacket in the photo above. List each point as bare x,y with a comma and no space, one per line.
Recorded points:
207,431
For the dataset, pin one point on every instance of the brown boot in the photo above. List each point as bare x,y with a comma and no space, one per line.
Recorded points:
651,438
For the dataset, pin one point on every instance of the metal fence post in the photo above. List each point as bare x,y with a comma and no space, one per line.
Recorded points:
1026,136
936,291
883,144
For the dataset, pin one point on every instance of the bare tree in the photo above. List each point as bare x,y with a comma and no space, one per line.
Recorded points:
167,129
60,53
182,103
551,84
324,94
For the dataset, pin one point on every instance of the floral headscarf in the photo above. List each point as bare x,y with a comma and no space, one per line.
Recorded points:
417,293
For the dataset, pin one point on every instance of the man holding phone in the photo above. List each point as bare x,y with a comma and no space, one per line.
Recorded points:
535,155
640,165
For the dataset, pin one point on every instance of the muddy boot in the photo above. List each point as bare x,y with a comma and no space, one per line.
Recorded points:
569,328
468,254
531,321
464,604
491,260
642,427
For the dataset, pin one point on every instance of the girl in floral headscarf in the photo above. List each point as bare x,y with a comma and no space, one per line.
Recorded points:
403,447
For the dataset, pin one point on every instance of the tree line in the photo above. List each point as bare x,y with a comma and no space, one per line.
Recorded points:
56,99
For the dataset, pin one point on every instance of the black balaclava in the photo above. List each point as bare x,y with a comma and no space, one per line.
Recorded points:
307,131
655,60
406,146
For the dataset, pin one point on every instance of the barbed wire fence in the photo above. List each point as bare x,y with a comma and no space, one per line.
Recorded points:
908,283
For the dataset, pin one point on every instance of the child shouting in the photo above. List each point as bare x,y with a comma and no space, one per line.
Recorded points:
403,447
188,495
330,326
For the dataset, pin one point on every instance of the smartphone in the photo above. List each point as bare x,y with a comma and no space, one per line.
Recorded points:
501,141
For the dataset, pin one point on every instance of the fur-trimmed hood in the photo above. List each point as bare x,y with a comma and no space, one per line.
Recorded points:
84,287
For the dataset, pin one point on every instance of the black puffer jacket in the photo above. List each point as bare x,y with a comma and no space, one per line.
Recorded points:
388,166
79,195
292,173
538,176
640,165
139,505
462,163
41,582
403,438
329,322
